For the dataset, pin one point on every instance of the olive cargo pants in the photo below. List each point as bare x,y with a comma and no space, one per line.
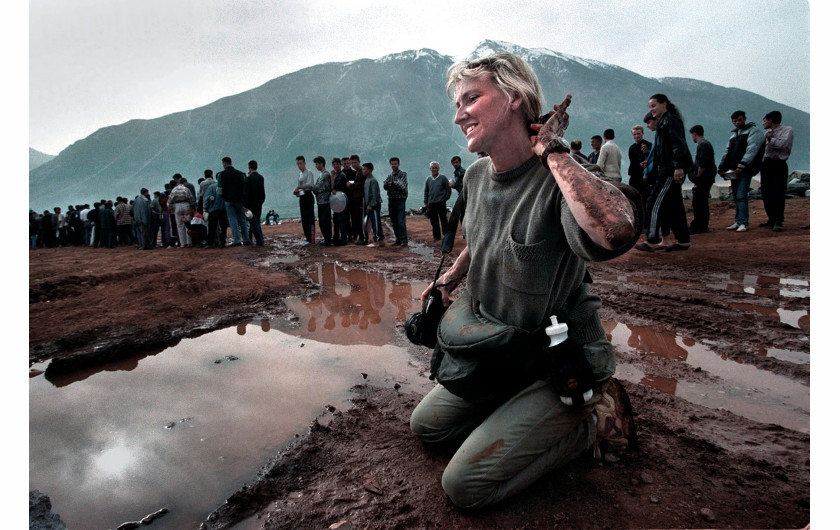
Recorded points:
505,449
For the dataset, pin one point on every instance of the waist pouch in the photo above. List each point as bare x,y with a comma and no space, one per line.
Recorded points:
483,361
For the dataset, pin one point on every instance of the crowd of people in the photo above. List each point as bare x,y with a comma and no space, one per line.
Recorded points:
184,216
348,200
658,171
179,216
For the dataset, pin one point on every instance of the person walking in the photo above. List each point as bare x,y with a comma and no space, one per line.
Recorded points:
672,161
704,161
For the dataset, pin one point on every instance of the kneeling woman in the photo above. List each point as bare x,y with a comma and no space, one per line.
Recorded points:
533,217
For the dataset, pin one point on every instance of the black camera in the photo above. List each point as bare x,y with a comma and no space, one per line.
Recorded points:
421,328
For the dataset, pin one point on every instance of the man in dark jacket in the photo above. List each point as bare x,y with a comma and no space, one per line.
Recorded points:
704,161
93,217
47,231
356,200
396,184
254,199
742,156
108,225
232,183
341,223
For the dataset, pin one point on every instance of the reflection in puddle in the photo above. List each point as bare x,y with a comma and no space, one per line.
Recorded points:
800,319
764,285
352,307
185,428
280,258
735,283
796,357
64,378
414,247
744,389
423,250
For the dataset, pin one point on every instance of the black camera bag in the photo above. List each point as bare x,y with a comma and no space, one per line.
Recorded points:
480,360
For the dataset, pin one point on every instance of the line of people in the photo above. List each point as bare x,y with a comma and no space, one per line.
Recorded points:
180,215
348,200
657,171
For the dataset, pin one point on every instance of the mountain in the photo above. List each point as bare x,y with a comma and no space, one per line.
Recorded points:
37,158
392,106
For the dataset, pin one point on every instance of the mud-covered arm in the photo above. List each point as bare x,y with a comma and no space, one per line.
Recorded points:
601,210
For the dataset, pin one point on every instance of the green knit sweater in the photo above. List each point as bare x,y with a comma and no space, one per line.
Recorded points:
527,251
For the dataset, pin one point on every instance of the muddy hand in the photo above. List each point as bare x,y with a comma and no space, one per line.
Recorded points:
560,110
553,128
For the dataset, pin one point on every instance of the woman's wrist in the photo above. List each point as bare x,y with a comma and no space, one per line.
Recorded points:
557,145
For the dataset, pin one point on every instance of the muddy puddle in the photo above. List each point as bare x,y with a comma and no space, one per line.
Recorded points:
186,427
742,389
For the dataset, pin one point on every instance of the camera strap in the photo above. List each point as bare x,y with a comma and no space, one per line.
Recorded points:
452,225
440,267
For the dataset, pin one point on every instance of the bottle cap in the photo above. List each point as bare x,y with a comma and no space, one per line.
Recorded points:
556,331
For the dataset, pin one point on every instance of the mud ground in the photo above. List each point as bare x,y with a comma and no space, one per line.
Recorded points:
694,467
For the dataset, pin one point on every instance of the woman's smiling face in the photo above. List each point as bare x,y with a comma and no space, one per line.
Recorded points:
484,114
656,108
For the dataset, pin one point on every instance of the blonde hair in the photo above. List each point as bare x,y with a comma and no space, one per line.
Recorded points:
638,128
510,73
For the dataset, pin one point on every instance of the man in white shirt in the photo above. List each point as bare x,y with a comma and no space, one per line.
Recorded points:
303,191
86,224
609,159
774,168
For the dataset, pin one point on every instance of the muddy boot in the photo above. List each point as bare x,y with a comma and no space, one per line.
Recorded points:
616,429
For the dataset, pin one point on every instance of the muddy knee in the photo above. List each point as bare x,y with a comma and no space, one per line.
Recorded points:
420,423
462,491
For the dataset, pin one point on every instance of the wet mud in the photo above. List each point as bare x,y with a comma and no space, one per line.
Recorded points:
743,296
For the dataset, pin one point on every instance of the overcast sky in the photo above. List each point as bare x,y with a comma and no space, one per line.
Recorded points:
94,63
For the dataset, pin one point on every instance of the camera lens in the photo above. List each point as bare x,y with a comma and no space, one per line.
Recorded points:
414,327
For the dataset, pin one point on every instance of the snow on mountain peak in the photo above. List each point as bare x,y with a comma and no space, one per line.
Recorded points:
490,47
411,55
